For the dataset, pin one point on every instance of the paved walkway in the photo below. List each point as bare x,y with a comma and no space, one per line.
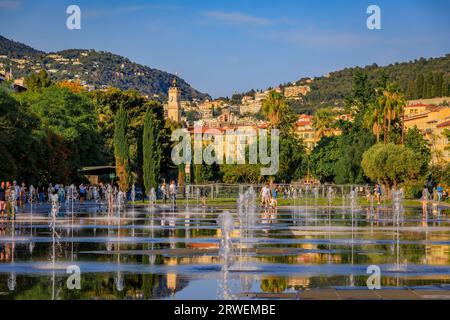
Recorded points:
360,293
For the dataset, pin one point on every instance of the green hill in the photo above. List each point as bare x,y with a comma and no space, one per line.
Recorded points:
97,68
331,90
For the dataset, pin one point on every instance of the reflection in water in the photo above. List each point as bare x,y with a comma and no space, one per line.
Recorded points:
161,252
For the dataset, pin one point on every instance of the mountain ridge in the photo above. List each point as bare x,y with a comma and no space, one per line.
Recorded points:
95,68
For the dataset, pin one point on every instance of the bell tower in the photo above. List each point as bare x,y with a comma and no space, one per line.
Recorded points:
174,104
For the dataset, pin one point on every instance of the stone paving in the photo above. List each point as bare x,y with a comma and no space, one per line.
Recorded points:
360,293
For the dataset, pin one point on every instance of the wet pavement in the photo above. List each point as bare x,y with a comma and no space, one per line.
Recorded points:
165,252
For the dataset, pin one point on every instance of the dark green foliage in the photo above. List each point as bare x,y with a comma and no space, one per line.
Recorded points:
293,162
420,83
332,90
352,146
38,81
390,164
16,49
206,173
193,115
17,141
152,151
339,158
324,157
414,139
59,134
121,149
106,105
120,140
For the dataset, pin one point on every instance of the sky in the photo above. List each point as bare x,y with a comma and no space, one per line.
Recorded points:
221,47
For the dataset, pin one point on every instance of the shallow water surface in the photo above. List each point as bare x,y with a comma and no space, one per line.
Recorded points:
179,252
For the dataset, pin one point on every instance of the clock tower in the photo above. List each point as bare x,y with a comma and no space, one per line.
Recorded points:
174,104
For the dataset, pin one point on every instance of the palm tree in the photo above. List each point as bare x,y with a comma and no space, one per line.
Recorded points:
323,122
273,107
373,119
391,103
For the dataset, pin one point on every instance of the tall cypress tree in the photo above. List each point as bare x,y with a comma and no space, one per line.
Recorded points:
445,88
438,85
410,92
428,87
419,86
121,151
152,151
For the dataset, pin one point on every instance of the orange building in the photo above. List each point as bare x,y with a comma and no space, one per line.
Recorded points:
432,121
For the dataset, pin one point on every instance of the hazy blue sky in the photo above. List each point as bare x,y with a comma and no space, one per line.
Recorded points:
224,46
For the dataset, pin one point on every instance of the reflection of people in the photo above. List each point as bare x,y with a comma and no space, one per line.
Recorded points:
9,195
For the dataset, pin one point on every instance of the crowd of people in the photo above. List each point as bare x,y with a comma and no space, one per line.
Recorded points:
14,197
168,191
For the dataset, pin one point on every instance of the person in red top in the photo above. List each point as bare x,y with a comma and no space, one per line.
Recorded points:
2,198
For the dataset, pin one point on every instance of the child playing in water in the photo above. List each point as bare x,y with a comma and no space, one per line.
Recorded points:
265,195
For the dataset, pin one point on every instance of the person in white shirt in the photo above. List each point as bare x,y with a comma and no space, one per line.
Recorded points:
265,195
163,189
173,191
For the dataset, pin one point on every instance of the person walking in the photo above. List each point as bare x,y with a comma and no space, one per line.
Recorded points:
61,194
274,198
440,191
110,195
163,190
50,190
173,191
9,196
203,195
265,195
377,193
22,196
2,199
41,193
16,188
82,193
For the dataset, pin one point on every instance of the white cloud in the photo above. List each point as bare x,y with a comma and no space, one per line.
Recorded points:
101,12
236,18
318,39
9,4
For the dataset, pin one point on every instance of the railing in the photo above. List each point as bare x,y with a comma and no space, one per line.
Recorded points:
223,190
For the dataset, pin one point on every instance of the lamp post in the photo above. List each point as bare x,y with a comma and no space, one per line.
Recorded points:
187,170
112,176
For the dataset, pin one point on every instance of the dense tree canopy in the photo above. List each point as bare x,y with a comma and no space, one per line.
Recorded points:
390,164
49,134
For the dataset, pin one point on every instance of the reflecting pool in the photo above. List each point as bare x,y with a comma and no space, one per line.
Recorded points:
236,252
